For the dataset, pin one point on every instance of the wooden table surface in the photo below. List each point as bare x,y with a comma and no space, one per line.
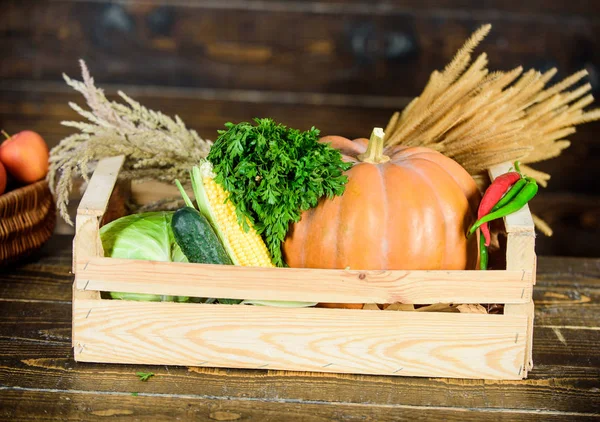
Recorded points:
40,381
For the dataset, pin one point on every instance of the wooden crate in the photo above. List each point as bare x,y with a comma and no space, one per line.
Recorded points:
436,344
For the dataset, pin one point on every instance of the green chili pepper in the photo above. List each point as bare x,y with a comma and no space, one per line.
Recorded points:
518,167
508,196
518,202
483,253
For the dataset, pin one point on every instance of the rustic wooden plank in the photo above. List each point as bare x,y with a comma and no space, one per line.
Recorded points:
567,289
547,348
574,271
449,8
356,51
302,284
568,293
87,243
553,205
567,306
55,259
575,171
512,8
574,217
555,342
151,191
37,282
550,387
526,310
92,207
43,105
98,191
565,377
324,340
556,308
562,327
566,346
57,370
39,322
65,404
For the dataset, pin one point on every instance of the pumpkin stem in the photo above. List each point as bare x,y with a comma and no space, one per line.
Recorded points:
374,153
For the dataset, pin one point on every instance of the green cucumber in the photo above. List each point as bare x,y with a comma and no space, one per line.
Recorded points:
197,238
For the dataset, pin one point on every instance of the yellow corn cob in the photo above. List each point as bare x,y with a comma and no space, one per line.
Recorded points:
244,248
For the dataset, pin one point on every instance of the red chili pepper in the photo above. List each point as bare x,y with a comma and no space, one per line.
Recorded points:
494,192
529,191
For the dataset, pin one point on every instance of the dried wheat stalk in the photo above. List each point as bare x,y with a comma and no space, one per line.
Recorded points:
481,119
155,146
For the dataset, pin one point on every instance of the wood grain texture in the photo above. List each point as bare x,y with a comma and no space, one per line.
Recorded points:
574,218
91,209
36,355
449,7
303,284
84,406
98,191
151,191
526,310
277,46
568,290
86,244
550,387
324,340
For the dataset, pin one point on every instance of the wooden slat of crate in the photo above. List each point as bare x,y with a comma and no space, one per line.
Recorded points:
308,339
520,253
303,284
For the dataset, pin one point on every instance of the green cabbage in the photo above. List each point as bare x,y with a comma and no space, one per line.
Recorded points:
146,236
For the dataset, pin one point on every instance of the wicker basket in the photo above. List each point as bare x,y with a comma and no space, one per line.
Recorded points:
27,220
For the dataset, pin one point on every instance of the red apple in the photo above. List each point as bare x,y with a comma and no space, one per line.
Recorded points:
2,179
25,156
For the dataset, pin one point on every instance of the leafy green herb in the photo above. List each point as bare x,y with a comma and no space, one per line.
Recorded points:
134,394
273,173
144,376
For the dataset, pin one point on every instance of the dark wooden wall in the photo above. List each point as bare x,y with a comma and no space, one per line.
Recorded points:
340,65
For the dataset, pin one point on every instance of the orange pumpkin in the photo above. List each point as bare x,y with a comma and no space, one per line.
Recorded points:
403,208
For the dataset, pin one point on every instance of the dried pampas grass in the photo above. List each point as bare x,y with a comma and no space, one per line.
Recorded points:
481,119
155,146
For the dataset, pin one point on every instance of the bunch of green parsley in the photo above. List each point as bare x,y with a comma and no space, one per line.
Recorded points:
273,174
